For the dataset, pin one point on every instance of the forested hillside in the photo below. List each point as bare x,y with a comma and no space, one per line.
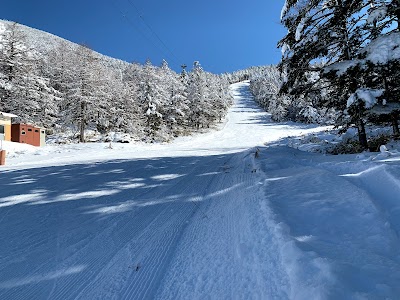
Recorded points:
71,90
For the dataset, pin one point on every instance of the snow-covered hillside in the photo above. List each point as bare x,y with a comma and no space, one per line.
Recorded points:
232,214
79,94
43,43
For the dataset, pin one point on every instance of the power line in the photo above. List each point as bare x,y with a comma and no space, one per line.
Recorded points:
168,53
152,30
130,22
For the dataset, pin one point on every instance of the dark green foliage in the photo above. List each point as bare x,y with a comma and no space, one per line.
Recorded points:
347,147
376,142
331,38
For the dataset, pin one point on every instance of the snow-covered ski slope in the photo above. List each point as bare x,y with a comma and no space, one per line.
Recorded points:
200,218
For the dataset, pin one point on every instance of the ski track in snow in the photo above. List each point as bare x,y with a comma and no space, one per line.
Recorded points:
237,264
200,218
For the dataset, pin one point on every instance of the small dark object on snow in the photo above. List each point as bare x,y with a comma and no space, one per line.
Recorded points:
136,268
254,171
257,154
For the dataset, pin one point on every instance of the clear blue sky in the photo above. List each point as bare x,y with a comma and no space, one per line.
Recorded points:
223,35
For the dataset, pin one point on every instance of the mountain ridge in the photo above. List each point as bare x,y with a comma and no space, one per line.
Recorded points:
44,42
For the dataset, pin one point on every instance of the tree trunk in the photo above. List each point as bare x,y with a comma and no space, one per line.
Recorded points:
82,124
397,13
362,136
82,131
394,116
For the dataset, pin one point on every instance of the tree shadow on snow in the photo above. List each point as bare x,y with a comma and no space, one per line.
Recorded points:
79,217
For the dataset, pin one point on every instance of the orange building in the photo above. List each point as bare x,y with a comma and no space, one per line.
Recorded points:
28,134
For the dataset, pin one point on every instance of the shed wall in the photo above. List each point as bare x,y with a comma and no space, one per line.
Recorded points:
28,134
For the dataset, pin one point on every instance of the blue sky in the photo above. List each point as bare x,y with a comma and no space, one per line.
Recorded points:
223,35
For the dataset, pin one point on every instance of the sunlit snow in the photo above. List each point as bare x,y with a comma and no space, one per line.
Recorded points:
203,217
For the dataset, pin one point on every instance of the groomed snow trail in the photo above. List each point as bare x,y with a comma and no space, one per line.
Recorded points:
231,251
180,221
200,218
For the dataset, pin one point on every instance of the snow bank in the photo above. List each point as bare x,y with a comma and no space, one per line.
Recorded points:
16,149
343,247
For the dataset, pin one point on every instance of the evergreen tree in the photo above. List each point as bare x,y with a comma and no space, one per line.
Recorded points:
151,102
129,112
381,60
85,99
70,87
322,36
199,107
23,91
176,107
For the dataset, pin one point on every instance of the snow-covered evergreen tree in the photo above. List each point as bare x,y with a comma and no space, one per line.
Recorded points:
177,106
86,98
217,97
327,37
23,91
65,87
197,91
129,117
151,100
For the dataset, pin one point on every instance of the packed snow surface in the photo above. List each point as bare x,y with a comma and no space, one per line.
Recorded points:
231,214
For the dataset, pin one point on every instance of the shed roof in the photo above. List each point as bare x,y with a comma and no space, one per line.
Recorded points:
28,125
8,115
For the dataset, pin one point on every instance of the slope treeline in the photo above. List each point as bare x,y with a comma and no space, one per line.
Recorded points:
265,85
70,88
340,64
